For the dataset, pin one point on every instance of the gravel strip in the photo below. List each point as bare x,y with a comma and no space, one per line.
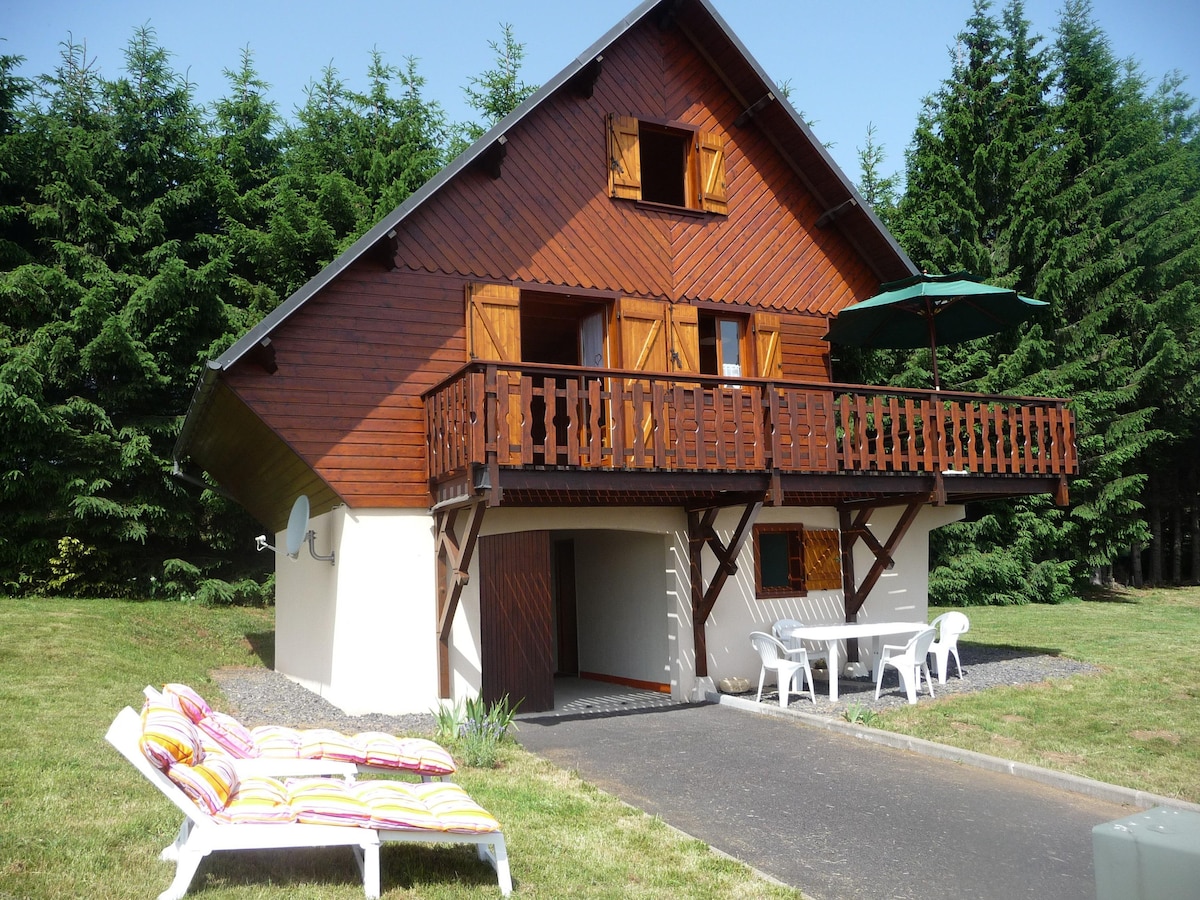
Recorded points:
264,697
982,668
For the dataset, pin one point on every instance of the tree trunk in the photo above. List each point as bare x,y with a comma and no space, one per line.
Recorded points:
1176,539
1135,565
1156,536
1195,538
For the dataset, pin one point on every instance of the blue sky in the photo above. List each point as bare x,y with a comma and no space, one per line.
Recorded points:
851,63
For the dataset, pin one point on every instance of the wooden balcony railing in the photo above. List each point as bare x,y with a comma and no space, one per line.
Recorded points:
514,414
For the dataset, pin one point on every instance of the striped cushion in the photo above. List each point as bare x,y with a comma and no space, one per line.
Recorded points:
258,800
191,703
168,736
327,801
209,784
276,740
325,743
229,734
454,808
393,805
415,754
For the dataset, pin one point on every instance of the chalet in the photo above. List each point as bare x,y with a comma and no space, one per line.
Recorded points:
568,410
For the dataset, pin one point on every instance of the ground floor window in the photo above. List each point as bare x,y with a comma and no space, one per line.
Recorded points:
791,560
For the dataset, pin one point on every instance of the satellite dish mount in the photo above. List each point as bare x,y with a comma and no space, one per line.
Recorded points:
298,533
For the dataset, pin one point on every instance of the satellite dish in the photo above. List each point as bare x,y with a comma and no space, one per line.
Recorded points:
297,526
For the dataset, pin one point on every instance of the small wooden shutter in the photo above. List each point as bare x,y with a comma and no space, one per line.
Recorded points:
684,337
624,158
822,560
643,329
714,197
766,345
494,322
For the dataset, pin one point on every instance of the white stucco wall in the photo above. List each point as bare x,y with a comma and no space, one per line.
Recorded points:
362,633
643,583
900,594
623,605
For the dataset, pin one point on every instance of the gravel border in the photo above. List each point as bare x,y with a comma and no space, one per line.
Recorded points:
983,667
265,697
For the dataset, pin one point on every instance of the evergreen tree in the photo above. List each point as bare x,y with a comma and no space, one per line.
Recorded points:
496,92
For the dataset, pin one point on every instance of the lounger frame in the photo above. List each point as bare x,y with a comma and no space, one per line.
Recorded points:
201,834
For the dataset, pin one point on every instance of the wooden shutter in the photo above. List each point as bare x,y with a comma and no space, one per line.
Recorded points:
494,322
684,338
822,560
643,329
766,345
624,158
714,197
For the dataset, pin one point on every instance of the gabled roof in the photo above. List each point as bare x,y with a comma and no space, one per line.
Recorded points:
764,105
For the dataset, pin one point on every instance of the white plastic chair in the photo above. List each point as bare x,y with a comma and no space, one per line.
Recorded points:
949,626
775,658
780,630
909,662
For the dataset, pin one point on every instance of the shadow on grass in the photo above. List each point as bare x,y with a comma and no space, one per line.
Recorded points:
327,869
1108,595
262,643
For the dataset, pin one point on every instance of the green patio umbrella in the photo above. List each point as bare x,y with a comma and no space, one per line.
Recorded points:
931,309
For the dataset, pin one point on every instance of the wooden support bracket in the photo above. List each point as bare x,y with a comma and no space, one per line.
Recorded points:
704,597
454,561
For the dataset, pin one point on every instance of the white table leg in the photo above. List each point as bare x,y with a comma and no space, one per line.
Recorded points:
834,667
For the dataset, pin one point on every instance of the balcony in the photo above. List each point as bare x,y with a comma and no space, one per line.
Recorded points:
499,417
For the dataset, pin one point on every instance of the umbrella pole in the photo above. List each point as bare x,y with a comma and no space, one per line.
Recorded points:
937,382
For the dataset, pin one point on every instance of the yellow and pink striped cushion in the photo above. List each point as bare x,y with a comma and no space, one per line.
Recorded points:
327,801
325,743
419,755
209,784
229,734
192,704
259,800
454,808
168,736
276,741
393,805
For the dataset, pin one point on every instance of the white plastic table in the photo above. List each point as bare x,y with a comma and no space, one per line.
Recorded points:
833,635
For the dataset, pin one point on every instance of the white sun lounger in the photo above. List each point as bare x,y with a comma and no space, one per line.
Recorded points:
201,834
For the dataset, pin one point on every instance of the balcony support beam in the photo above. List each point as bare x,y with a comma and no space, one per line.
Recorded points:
856,528
701,533
453,561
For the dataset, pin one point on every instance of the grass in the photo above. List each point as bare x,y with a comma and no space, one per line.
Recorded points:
78,821
1135,724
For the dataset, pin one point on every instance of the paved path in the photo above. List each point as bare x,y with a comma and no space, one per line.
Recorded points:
833,815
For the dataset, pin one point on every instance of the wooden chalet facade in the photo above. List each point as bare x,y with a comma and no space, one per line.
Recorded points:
568,408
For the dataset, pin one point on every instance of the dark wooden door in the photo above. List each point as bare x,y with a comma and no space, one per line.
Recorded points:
515,619
564,606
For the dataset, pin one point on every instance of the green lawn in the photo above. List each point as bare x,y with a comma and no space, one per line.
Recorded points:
1136,724
78,821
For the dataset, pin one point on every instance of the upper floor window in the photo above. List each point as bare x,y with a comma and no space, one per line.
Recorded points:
722,350
668,164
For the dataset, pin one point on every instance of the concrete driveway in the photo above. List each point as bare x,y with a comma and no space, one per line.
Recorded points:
836,816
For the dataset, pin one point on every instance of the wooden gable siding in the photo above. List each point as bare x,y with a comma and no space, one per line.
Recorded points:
548,218
804,354
346,397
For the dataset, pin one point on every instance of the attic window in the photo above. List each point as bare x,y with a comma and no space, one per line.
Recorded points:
666,164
